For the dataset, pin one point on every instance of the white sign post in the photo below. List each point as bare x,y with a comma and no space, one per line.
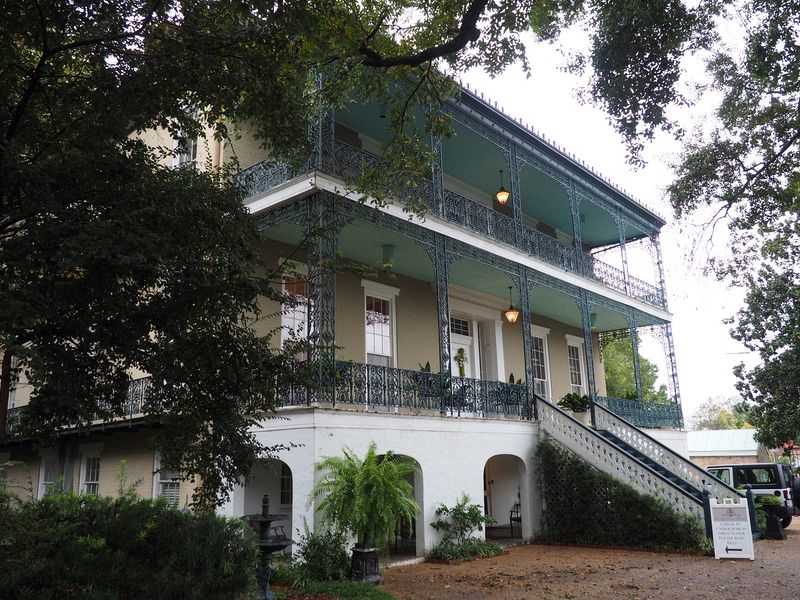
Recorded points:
730,523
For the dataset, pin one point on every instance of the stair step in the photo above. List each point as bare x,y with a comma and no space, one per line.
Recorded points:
654,465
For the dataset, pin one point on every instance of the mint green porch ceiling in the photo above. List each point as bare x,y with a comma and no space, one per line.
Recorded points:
364,243
474,160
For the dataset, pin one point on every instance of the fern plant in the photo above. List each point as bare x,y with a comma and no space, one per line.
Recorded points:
366,497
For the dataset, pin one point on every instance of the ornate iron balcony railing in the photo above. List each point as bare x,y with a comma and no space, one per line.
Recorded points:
645,414
378,388
137,394
349,163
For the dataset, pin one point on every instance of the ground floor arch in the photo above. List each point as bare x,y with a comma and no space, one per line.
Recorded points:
274,478
410,537
505,496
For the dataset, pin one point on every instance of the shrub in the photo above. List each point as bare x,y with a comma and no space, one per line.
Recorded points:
575,402
583,505
468,549
93,548
366,497
457,524
324,555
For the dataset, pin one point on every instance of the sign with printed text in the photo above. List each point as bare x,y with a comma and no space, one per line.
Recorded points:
730,523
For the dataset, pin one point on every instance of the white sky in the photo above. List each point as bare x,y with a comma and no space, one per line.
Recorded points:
547,101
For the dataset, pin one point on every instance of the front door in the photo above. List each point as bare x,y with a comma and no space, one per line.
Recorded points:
462,356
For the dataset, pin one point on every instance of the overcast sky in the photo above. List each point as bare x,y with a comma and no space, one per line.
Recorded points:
547,102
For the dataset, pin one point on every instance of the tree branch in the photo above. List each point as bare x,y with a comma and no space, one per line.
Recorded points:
468,32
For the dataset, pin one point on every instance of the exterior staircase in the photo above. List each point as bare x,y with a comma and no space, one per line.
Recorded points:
628,453
655,466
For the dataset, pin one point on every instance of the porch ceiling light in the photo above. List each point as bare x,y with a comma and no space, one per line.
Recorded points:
511,314
502,195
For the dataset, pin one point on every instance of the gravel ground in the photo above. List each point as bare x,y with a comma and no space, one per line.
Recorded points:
550,572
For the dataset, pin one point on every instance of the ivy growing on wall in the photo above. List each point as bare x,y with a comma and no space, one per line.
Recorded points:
583,505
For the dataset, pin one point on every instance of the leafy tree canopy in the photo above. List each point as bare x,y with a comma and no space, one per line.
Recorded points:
620,375
747,168
111,262
769,324
721,413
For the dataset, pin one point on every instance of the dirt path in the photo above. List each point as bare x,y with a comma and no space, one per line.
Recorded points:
550,572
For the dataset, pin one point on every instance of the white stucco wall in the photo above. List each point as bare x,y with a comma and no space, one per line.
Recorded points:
451,453
675,440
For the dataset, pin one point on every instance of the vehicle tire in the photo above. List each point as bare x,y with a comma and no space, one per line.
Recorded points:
786,521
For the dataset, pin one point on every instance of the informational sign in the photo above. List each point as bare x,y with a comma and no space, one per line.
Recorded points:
730,522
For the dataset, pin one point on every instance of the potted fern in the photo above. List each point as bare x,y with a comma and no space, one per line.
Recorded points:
366,498
578,405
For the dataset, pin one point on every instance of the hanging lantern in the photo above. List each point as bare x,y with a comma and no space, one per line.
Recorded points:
502,195
511,314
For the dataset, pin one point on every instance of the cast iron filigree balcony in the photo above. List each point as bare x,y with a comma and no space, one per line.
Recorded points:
349,163
645,414
386,389
137,394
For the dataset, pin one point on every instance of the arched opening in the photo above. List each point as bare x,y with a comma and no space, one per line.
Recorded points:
409,537
504,495
272,477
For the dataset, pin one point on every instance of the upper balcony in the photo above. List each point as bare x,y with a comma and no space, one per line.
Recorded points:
559,212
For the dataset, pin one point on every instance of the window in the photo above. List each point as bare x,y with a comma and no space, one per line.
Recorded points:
459,326
286,484
12,391
90,480
90,468
379,323
723,475
185,148
167,484
539,357
379,331
187,157
49,475
294,316
577,369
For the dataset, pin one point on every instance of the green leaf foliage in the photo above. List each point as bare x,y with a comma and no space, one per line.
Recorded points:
93,548
745,167
366,497
323,555
112,262
769,324
620,377
469,549
719,413
456,524
583,505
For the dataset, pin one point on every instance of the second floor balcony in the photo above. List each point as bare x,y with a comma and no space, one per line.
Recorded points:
564,217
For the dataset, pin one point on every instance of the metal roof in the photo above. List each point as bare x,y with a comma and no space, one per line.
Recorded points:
722,442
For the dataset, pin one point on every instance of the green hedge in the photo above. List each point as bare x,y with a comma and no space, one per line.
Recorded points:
93,548
583,505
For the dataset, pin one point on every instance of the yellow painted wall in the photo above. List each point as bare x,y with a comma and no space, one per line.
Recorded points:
244,147
559,361
350,320
22,478
131,446
513,351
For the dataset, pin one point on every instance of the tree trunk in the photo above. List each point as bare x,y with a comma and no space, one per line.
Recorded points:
5,389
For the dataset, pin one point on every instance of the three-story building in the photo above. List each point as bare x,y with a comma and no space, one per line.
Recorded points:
484,314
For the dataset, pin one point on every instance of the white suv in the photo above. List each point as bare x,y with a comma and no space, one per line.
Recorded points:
765,479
